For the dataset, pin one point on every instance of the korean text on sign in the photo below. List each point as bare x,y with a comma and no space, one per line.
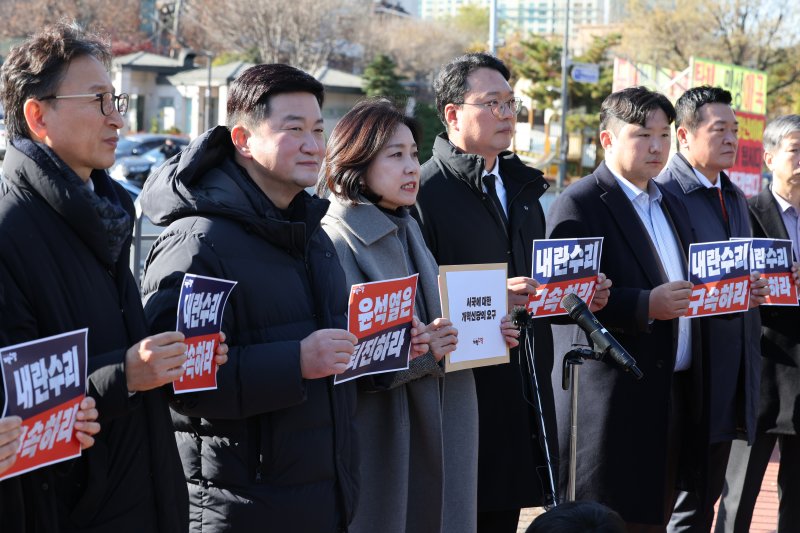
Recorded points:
380,315
563,266
773,259
45,381
200,308
720,272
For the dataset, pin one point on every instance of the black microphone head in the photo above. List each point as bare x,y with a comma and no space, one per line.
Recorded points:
520,316
573,304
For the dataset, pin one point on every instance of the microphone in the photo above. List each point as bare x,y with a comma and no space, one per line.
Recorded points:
602,339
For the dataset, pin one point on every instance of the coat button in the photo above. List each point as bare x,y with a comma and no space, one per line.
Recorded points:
45,486
659,363
328,255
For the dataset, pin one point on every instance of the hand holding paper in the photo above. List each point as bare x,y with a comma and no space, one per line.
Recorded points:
221,353
444,337
86,425
602,293
519,290
10,432
420,339
670,300
510,331
155,361
326,352
759,289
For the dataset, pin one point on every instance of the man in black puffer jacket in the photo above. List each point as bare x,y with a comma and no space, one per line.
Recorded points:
273,447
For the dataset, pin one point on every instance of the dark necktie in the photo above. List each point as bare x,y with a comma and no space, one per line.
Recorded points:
491,192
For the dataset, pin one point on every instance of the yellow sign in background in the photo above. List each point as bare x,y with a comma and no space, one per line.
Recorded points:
748,87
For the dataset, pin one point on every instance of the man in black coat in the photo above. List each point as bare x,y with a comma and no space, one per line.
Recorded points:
478,203
65,234
274,446
774,214
728,366
629,431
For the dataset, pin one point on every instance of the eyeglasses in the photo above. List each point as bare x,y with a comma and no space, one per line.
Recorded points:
499,108
108,101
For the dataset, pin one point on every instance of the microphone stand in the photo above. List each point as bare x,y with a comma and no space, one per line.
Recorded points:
569,381
524,321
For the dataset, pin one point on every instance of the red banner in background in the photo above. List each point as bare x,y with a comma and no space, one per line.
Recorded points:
746,172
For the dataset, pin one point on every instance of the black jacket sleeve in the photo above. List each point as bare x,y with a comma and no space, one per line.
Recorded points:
257,378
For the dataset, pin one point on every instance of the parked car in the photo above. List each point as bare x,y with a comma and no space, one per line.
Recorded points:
136,168
139,143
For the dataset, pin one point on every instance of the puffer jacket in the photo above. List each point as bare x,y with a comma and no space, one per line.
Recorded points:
267,449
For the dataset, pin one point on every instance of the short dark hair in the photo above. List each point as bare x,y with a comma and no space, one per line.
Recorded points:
451,84
689,104
250,93
355,142
778,129
36,68
578,517
632,106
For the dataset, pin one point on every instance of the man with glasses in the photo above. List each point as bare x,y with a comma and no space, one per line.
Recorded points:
478,203
773,214
65,234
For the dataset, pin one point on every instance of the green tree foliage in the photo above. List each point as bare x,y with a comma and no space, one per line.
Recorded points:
539,60
381,79
430,126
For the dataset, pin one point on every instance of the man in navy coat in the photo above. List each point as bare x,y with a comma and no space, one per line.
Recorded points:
728,361
629,431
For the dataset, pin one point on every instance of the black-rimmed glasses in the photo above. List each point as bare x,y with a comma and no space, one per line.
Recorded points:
499,108
108,101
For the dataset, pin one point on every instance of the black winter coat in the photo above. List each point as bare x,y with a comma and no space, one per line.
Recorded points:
268,448
461,227
622,422
57,275
779,410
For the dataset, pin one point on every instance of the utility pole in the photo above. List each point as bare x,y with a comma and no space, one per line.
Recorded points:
562,169
493,27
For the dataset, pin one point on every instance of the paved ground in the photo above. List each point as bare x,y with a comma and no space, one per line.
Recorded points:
765,517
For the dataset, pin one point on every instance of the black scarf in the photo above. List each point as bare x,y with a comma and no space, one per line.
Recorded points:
114,218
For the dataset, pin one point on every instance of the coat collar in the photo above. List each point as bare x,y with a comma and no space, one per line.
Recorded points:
686,178
204,180
767,212
361,219
62,195
469,169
